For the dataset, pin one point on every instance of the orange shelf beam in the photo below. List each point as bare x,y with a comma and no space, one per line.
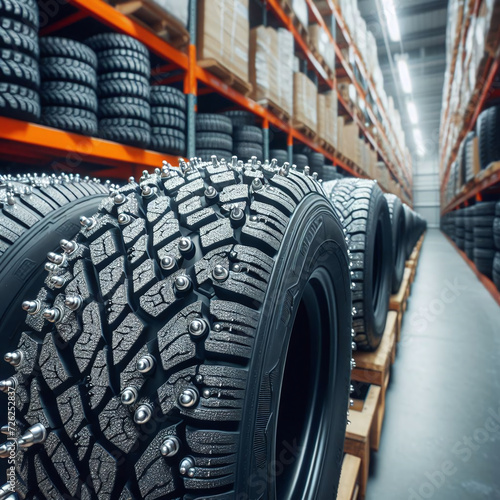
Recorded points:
52,143
119,22
488,284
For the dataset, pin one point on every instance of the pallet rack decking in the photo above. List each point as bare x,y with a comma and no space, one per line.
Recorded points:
30,141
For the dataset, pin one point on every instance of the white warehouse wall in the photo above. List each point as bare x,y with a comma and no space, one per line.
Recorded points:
426,189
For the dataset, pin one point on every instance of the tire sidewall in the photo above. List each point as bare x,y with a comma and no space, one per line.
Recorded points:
314,239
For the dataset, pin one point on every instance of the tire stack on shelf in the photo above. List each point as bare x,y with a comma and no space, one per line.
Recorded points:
469,231
484,246
214,136
281,155
69,84
469,156
460,229
247,142
496,237
123,89
19,53
168,120
330,173
488,127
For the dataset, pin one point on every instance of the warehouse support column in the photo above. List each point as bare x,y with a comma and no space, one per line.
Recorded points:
289,144
190,83
265,137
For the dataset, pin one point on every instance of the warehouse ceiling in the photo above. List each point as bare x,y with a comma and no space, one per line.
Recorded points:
422,25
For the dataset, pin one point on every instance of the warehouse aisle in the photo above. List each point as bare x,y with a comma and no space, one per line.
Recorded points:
441,434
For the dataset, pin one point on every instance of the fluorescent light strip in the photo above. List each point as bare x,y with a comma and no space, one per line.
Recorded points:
412,112
419,142
404,75
391,20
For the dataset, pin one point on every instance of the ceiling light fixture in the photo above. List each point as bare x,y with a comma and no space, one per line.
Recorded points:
404,75
412,112
391,20
419,142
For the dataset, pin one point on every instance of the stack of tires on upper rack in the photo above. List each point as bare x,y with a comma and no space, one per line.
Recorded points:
96,87
176,329
476,230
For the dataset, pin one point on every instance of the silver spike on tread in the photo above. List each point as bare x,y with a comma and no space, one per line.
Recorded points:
5,448
87,222
167,263
187,465
57,281
56,258
34,435
145,364
220,273
124,219
197,327
31,306
170,446
129,395
52,315
68,246
143,414
73,302
9,383
185,245
15,358
182,283
189,397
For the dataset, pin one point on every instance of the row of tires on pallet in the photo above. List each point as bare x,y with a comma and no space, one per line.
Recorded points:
476,231
236,133
191,334
487,151
97,88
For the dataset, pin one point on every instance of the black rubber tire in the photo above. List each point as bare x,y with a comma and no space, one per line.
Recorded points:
241,118
64,69
248,133
482,242
56,46
129,61
125,107
19,37
497,209
246,150
409,224
279,322
329,173
138,136
280,155
75,120
123,85
109,41
483,232
168,117
71,95
169,97
485,221
300,161
168,140
206,154
364,212
493,134
496,232
214,140
24,11
496,270
19,68
398,222
485,208
316,161
209,122
19,102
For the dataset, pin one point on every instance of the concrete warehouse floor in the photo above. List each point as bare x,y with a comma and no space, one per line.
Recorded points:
441,433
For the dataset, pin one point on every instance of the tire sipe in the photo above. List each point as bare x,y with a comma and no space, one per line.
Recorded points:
216,300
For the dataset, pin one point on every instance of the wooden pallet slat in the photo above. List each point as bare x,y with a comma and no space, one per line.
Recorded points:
219,70
349,478
398,301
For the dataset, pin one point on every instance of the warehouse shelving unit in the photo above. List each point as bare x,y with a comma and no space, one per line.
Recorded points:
487,179
31,141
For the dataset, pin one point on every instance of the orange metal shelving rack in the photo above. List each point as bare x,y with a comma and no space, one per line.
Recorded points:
30,140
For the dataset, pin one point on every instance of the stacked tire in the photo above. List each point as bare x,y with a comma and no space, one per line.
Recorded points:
489,136
19,53
399,236
69,84
469,156
496,237
469,231
168,120
484,245
248,141
280,155
123,89
165,343
315,161
460,229
330,173
214,136
364,212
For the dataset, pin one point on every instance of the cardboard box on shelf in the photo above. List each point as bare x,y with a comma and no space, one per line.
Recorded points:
177,8
321,41
304,102
286,63
223,34
327,117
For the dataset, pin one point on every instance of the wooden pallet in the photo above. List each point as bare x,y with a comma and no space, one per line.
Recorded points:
153,17
305,129
349,478
374,368
230,79
399,300
276,109
359,434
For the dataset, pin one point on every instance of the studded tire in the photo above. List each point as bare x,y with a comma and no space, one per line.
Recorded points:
364,211
211,282
398,240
